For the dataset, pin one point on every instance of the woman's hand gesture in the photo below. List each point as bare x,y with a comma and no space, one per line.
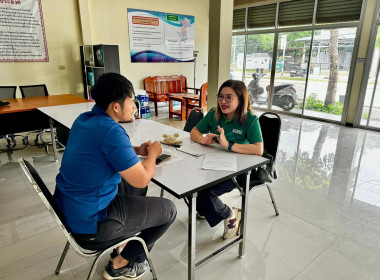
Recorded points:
222,138
208,139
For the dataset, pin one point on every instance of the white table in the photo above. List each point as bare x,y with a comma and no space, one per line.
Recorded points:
65,115
183,178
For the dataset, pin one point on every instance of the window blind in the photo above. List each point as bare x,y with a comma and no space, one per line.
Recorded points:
262,16
330,11
298,12
238,21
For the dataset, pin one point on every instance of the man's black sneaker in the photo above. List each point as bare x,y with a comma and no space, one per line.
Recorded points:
130,271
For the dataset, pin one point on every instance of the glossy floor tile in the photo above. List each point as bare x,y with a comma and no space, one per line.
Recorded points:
328,194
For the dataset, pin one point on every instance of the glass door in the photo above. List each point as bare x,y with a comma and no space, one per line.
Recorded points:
328,73
291,69
258,65
371,109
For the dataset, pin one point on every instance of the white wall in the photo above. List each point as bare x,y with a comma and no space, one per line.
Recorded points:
109,25
63,37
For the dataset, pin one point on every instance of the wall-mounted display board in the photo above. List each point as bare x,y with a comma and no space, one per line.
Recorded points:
160,37
22,31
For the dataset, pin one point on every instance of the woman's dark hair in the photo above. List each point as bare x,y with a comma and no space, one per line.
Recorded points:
111,87
244,102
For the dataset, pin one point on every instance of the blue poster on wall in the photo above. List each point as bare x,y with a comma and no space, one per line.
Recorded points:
160,37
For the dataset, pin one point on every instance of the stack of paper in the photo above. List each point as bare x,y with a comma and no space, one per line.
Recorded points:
220,161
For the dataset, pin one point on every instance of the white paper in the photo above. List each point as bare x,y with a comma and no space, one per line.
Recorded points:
220,161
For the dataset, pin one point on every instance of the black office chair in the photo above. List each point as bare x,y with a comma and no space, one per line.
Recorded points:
195,116
270,124
34,91
81,249
9,92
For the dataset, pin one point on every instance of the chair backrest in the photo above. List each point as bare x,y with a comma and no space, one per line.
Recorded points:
7,92
44,193
270,124
166,84
195,116
54,210
34,90
203,95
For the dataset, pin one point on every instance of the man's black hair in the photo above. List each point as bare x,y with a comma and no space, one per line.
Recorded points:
111,87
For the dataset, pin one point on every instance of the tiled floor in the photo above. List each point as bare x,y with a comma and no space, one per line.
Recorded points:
328,193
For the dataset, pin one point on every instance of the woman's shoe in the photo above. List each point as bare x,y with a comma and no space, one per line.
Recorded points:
232,224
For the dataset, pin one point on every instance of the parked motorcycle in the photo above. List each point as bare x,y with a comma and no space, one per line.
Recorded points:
284,96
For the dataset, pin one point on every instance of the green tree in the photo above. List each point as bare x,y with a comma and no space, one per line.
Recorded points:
377,44
334,65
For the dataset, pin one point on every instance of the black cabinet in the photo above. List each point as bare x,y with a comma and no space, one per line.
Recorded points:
95,60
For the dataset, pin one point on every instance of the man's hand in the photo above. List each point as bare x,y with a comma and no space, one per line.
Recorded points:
208,139
154,149
222,138
144,148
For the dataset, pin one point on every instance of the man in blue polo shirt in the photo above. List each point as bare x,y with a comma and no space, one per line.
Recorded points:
101,185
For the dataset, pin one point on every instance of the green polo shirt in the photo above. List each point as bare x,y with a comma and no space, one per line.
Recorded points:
249,133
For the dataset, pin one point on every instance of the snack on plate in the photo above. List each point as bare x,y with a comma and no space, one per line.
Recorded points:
171,139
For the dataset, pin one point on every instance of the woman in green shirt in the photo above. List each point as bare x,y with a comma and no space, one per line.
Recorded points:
234,126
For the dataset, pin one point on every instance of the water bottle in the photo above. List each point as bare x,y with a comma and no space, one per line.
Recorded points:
90,77
147,110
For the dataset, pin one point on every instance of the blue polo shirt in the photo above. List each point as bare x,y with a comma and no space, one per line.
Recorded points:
98,148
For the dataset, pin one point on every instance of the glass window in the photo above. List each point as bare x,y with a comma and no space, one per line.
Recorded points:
330,11
291,68
328,74
237,57
371,114
296,12
309,79
257,67
238,22
261,16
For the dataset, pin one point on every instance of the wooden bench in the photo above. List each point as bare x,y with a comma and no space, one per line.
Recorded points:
160,87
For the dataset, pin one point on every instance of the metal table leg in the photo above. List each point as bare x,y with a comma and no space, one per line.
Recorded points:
191,237
244,213
51,122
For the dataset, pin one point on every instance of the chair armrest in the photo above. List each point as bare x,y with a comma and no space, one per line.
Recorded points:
187,98
197,90
152,92
155,93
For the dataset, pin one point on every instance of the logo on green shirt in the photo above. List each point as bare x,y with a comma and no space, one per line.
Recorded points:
238,131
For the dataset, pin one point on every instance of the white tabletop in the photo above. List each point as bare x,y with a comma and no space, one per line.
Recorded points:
66,114
182,177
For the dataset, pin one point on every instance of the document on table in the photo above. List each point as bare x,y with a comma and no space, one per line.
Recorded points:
195,149
220,161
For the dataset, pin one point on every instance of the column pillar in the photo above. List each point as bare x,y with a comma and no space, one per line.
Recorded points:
219,52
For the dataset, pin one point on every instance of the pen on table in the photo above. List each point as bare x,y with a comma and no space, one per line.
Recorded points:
173,145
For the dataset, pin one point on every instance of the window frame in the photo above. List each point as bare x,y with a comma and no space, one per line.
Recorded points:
366,72
313,27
